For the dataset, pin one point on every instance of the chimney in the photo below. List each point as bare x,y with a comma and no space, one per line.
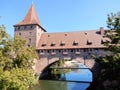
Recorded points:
101,30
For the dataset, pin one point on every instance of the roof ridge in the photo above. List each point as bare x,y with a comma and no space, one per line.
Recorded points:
71,31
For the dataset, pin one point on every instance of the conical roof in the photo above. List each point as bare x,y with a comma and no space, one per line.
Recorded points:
30,18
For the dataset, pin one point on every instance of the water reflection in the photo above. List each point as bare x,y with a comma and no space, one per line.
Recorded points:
77,78
59,85
80,73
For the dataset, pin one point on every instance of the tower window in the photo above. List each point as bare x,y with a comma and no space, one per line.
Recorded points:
18,28
30,33
29,40
20,34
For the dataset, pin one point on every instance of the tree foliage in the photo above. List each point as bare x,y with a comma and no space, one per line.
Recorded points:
3,34
109,76
16,61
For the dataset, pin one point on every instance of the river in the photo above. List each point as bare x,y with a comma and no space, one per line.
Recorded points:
76,79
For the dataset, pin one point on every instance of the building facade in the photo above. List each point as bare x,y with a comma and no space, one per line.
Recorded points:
78,45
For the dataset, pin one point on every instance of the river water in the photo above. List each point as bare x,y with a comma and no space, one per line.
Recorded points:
76,79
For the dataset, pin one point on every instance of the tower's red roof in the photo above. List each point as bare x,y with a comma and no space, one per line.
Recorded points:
30,18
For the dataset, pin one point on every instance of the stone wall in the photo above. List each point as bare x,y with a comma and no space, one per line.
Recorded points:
31,33
81,55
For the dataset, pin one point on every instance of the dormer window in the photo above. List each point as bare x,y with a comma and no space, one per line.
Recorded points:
104,40
89,42
44,44
53,44
75,43
62,43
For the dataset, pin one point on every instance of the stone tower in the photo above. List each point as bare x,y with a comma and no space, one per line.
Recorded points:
30,28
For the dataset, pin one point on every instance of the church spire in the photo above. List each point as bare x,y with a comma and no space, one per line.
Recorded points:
31,17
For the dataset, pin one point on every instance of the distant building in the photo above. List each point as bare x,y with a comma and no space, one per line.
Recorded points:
65,45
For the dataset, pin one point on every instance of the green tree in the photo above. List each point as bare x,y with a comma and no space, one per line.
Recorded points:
109,76
3,34
16,61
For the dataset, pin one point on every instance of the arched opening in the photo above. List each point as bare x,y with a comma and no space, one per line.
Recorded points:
76,75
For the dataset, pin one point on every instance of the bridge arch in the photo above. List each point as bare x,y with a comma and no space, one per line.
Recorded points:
90,63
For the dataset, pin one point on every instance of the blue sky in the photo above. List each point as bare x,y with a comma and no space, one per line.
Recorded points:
60,15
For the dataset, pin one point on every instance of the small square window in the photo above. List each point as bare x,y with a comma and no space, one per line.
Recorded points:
25,27
20,34
72,50
38,51
30,33
53,50
85,50
30,40
41,50
31,27
48,51
90,49
59,51
18,28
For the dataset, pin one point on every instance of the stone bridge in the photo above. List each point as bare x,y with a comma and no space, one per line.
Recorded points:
42,64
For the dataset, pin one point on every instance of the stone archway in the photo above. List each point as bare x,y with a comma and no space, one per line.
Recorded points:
41,65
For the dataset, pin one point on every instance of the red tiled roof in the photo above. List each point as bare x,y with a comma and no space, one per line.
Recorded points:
30,18
81,37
